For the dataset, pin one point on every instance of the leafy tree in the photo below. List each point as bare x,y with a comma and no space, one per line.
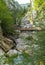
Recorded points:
5,17
40,9
17,11
10,14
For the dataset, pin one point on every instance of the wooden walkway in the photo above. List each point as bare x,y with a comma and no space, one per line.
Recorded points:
29,29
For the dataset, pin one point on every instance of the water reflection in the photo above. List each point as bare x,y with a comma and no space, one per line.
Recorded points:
21,59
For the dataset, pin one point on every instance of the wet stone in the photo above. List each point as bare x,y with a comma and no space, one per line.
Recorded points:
12,52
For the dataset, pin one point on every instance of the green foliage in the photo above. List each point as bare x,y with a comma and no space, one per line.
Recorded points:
36,42
10,15
29,38
41,39
40,12
5,17
17,11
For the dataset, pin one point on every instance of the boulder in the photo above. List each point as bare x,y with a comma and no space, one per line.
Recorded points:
29,51
6,64
1,52
12,52
20,47
7,44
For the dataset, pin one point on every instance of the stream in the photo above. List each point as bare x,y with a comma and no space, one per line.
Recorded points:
29,52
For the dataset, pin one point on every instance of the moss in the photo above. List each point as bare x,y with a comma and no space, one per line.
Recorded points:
29,38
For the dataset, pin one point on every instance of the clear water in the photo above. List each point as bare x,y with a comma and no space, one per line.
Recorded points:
21,59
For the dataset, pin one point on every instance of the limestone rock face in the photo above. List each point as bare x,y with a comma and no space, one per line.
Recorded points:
26,23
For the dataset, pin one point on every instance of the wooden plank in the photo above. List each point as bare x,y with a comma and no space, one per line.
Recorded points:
29,29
